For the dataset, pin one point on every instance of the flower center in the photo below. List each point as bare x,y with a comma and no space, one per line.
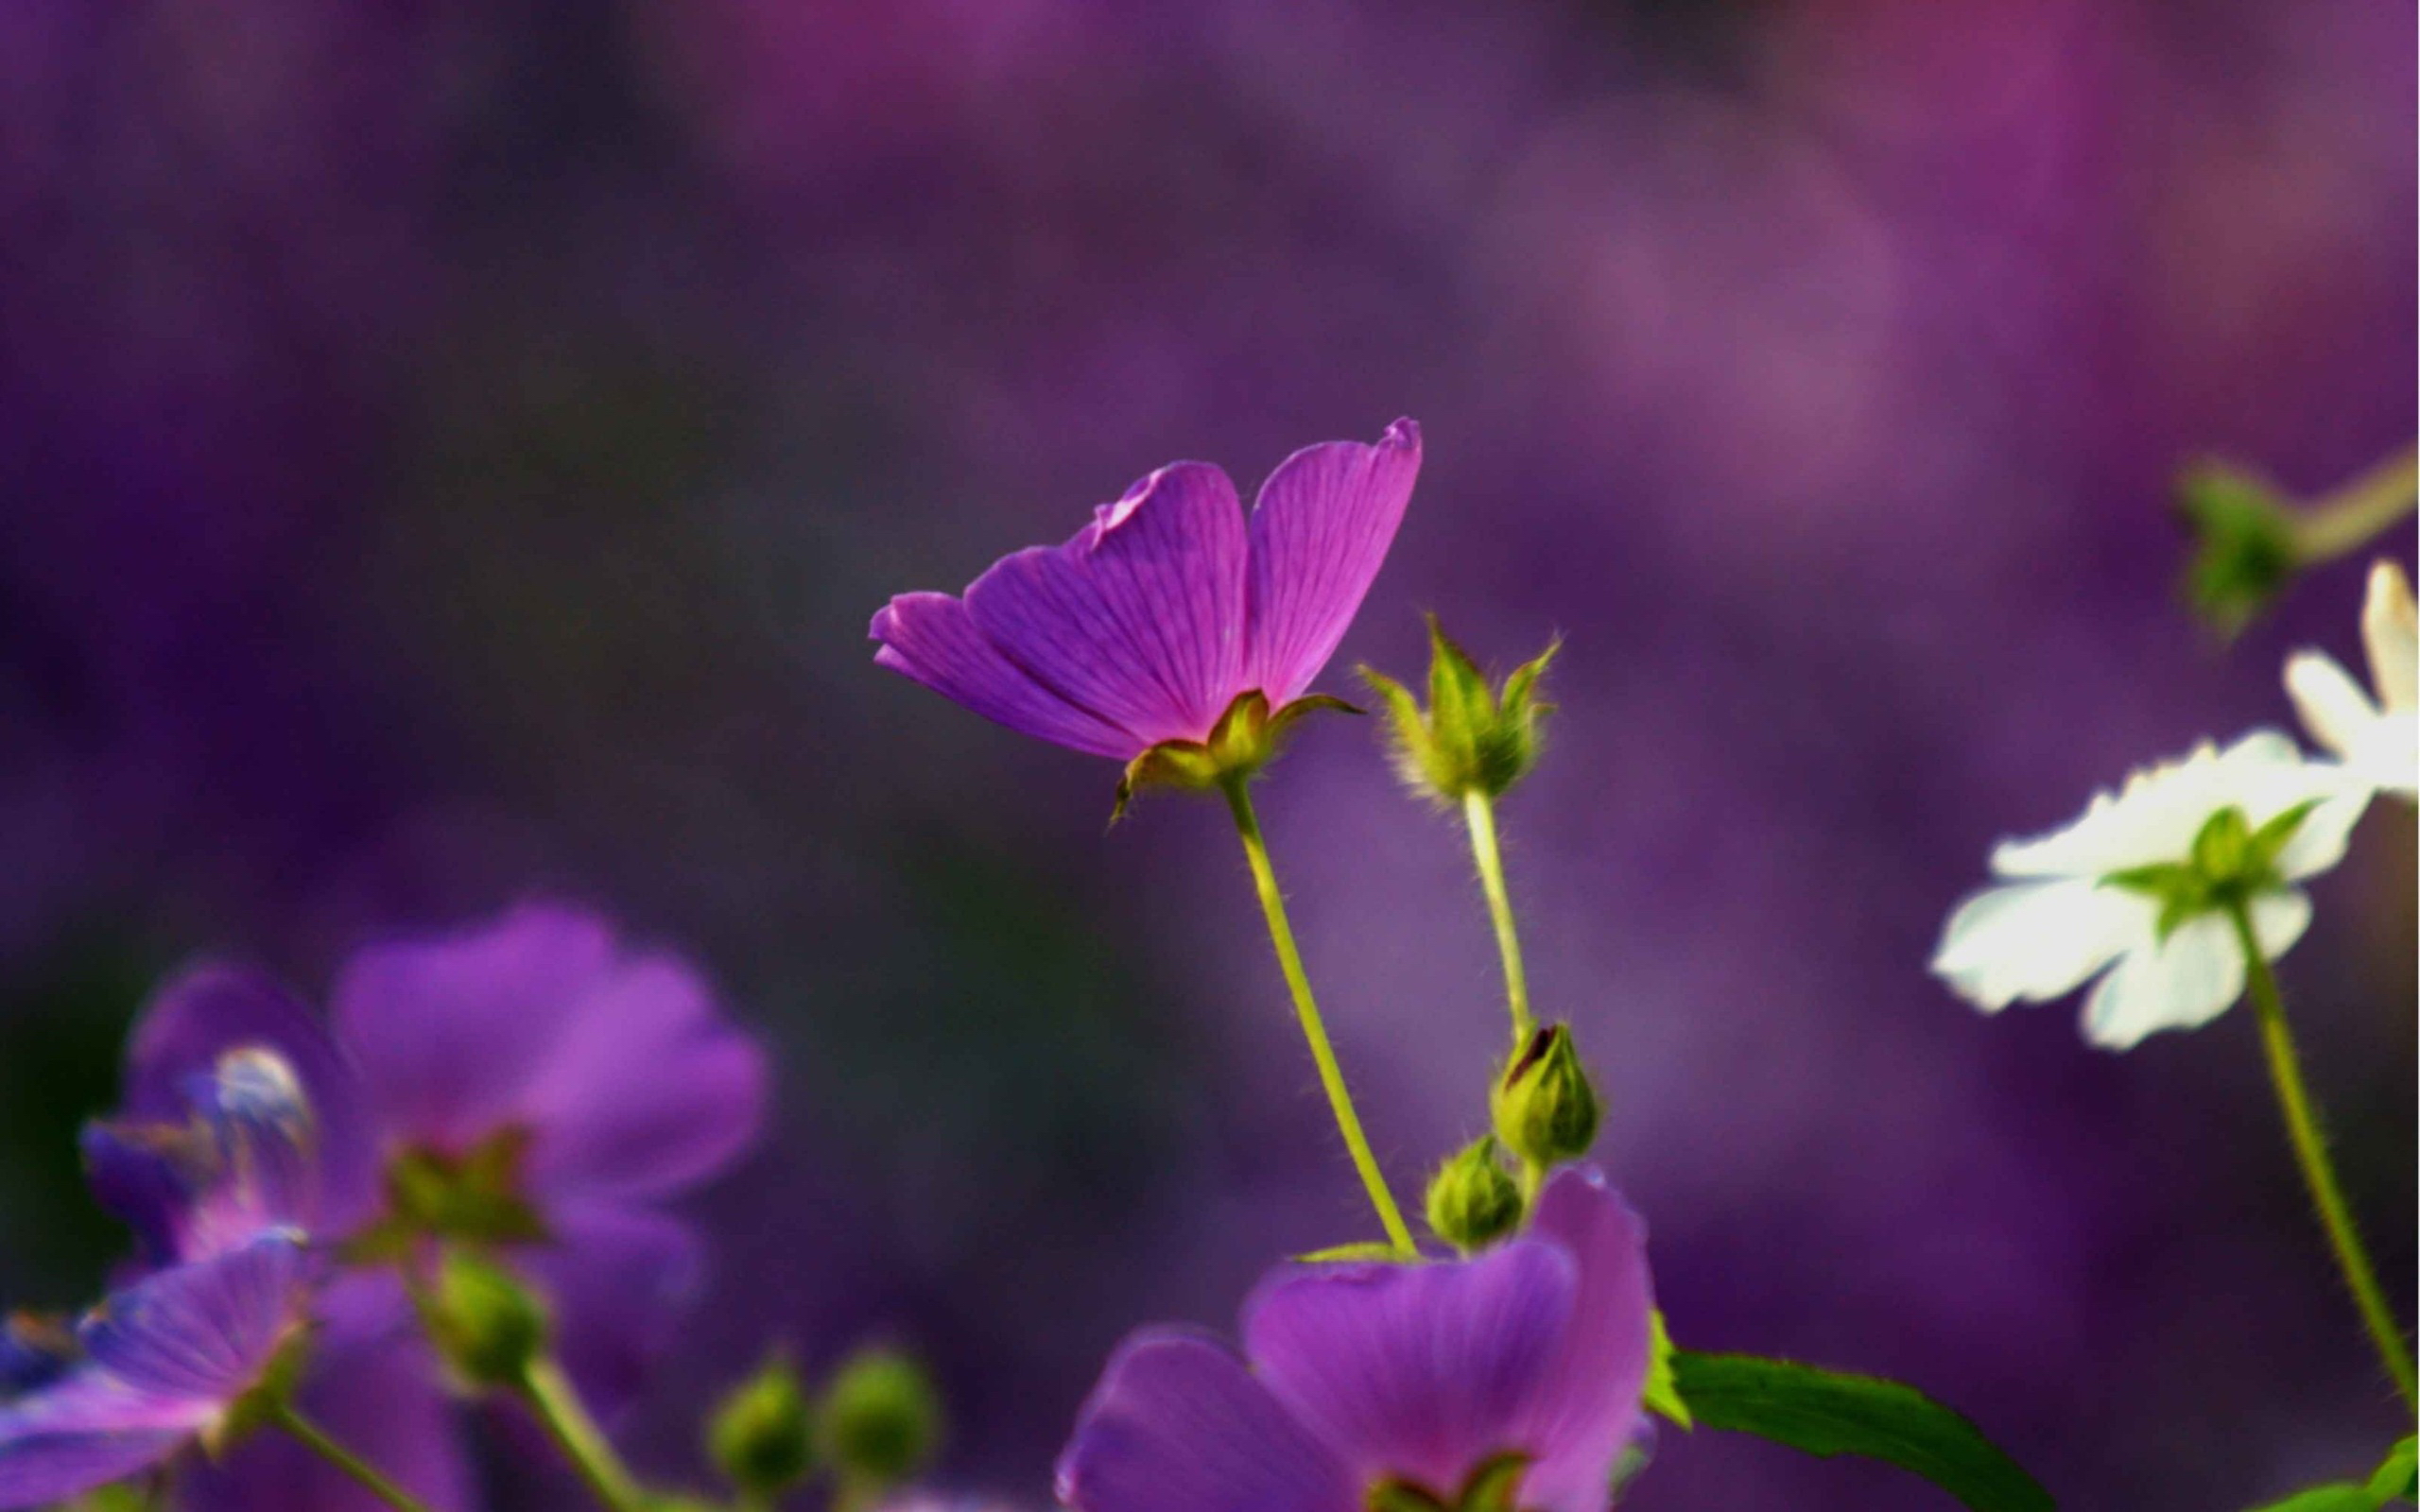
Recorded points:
1492,1488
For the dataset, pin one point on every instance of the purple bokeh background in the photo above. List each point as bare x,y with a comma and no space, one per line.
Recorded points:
450,453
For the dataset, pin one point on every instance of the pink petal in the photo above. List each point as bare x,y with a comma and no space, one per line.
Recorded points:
1178,1425
931,638
1422,1372
1590,1407
1319,533
1140,617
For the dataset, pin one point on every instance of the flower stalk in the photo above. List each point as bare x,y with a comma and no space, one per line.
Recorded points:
2311,1152
549,1395
1307,1009
310,1437
1478,812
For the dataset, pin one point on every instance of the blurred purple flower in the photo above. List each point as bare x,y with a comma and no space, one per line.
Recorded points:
1527,1361
527,1085
166,1360
1148,623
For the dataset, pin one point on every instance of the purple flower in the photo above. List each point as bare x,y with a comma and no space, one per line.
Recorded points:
167,1359
1154,619
528,1086
1525,1364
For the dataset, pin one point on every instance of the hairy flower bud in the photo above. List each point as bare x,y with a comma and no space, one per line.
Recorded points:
1546,1111
1473,1201
761,1438
881,1419
1472,737
488,1323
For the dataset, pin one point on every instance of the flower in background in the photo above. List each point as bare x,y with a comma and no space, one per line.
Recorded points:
1516,1375
170,1359
2378,737
2144,886
528,1087
1151,624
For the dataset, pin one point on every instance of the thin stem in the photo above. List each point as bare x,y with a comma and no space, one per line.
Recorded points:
2311,1149
1307,1008
1478,810
310,1436
549,1395
2345,521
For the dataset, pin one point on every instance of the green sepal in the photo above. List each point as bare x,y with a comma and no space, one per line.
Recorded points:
1246,738
260,1406
2398,1474
2245,548
1662,1394
1359,1251
1827,1412
2230,863
1493,1486
473,1198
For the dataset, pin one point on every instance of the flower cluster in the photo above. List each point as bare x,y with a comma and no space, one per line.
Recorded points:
531,1091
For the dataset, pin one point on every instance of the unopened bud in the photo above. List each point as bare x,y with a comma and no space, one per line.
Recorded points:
761,1437
1546,1111
1472,737
1473,1201
2245,551
488,1323
881,1420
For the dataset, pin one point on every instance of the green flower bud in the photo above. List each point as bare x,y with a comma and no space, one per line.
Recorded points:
1472,737
2245,553
487,1325
881,1419
1546,1111
1473,1201
761,1438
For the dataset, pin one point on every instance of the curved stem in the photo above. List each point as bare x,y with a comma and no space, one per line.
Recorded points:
1478,810
1307,1009
2310,1150
2346,520
549,1394
308,1434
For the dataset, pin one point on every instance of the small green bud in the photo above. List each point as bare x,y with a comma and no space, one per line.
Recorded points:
486,1322
1472,737
881,1419
1546,1111
1473,1201
761,1438
2245,550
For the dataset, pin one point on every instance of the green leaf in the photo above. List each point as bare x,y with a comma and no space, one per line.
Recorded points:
1826,1412
2399,1477
1663,1397
2392,1482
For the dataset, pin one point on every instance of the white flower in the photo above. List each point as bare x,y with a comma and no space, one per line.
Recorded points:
2059,918
2378,737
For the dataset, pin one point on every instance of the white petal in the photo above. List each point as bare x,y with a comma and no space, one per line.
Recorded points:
2334,708
2182,983
2037,940
2278,919
2391,631
2318,841
2160,810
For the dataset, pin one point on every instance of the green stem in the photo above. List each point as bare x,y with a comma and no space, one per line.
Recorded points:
549,1394
2310,1150
1478,810
2347,519
308,1434
1307,1008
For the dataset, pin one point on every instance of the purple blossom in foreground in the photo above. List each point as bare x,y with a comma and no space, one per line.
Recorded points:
528,1086
1151,621
168,1360
1419,1382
